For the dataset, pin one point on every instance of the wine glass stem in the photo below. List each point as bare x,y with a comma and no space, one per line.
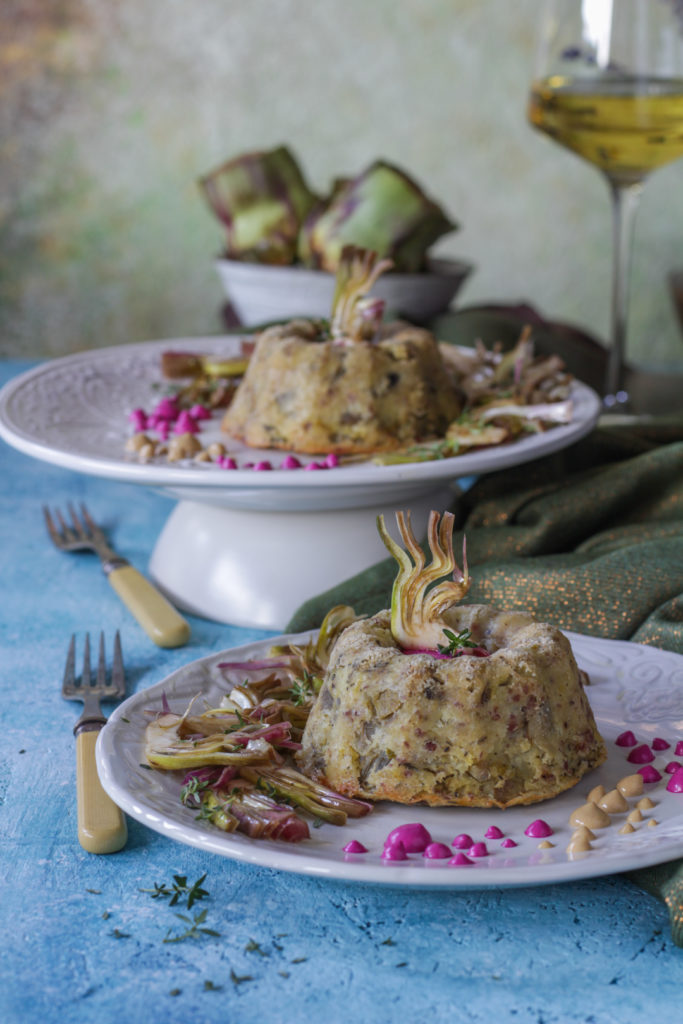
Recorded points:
625,199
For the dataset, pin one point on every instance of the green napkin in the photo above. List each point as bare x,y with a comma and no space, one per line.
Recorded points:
590,538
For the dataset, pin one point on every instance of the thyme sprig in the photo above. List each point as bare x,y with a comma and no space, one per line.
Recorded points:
179,890
194,928
456,641
302,689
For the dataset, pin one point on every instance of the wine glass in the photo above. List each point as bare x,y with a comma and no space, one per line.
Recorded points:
608,85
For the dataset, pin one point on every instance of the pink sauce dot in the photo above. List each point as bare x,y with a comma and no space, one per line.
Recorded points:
678,751
478,850
508,843
462,842
675,783
460,860
414,837
166,409
432,651
186,424
264,464
538,829
200,412
641,755
355,847
226,462
659,744
311,465
649,773
138,418
437,851
164,429
290,462
626,739
493,832
331,461
395,851
672,767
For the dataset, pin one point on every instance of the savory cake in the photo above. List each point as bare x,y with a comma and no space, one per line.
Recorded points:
501,720
355,387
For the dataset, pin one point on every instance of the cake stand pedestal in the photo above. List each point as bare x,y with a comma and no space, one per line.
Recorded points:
254,568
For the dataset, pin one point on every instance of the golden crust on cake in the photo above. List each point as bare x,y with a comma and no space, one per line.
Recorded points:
318,396
511,728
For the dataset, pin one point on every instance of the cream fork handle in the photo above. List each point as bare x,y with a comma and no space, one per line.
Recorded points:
101,824
157,616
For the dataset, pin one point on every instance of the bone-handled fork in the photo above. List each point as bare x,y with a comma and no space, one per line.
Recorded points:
101,824
157,616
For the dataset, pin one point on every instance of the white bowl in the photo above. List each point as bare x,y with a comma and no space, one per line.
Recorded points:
260,293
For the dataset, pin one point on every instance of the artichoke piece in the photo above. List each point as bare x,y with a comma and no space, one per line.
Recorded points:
383,210
417,605
262,198
166,748
356,317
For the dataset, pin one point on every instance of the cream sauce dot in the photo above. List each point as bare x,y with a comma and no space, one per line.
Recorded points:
635,815
626,828
596,794
631,785
645,804
579,844
613,802
590,815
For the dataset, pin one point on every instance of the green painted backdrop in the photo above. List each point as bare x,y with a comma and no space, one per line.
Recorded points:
110,111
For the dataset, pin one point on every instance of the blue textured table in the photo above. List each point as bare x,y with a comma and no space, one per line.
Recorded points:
81,941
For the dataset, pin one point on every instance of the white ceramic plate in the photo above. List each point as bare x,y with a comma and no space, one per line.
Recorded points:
73,412
633,687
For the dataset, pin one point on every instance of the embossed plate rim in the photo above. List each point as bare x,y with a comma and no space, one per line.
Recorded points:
45,444
151,798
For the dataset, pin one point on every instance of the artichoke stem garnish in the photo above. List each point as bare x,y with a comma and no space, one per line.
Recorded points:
416,612
356,316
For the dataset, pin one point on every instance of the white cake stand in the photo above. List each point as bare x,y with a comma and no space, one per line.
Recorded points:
241,546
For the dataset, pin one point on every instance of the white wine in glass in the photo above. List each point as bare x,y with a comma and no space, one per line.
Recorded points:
609,86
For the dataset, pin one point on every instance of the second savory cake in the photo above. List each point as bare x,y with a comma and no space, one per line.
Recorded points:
356,386
500,720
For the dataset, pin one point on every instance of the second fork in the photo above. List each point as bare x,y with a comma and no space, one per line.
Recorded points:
157,616
101,824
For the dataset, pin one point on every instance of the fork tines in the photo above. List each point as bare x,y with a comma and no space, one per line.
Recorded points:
57,537
115,688
83,528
